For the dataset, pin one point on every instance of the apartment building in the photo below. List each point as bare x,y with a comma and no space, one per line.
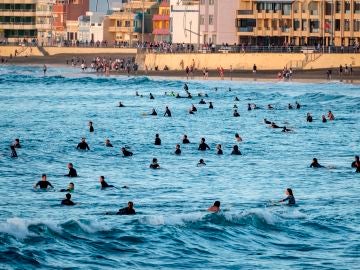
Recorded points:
299,22
217,19
126,24
161,22
26,19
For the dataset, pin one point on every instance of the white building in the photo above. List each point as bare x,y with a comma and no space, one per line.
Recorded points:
92,27
184,21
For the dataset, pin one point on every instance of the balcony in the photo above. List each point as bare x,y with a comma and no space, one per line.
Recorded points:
18,26
247,29
158,17
121,29
245,12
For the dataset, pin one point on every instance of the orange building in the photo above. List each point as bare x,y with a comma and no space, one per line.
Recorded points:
161,22
64,10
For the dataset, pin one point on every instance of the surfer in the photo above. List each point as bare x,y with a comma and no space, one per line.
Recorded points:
103,183
289,197
68,200
83,145
315,164
72,171
108,143
43,183
203,146
215,207
126,153
129,210
236,150
70,188
154,164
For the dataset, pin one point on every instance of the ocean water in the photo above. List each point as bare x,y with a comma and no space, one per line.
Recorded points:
172,229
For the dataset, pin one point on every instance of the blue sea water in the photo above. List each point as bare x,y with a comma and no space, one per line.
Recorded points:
172,229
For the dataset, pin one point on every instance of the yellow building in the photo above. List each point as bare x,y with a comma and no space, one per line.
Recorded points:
126,25
161,22
26,19
299,22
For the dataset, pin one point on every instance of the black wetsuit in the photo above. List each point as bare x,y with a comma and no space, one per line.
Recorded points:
203,146
43,184
353,164
91,129
127,153
211,106
309,119
126,211
186,141
167,113
109,145
234,152
316,165
202,102
290,199
157,141
83,146
236,114
177,152
220,152
105,185
72,173
154,166
154,113
193,109
67,202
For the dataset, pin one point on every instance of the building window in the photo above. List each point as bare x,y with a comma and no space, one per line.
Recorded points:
202,20
328,8
304,25
211,2
211,19
337,25
357,7
346,25
338,7
357,25
296,25
127,24
274,24
347,7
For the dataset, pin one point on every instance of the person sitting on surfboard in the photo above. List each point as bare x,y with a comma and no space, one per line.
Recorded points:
43,184
315,164
215,208
290,197
129,210
68,200
103,183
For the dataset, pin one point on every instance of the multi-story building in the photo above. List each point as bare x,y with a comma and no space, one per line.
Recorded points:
161,22
26,19
217,19
65,10
184,21
126,24
92,28
299,22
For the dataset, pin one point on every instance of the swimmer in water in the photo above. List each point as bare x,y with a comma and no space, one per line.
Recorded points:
151,96
211,105
285,129
154,164
290,107
270,107
121,105
236,99
356,162
203,146
103,183
315,164
16,143
185,140
70,188
331,116
323,119
202,101
68,200
298,106
108,143
153,113
125,152
72,171
44,69
157,139
236,151
193,108
267,122
129,210
309,118
273,125
238,138
289,197
91,128
13,152
177,150
137,94
249,107
219,151
167,112
201,163
43,184
83,145
215,208
236,114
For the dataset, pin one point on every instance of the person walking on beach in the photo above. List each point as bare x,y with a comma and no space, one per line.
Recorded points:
254,69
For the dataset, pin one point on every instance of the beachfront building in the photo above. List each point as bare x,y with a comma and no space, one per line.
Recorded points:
26,20
299,22
67,10
125,25
184,21
217,19
92,29
161,23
